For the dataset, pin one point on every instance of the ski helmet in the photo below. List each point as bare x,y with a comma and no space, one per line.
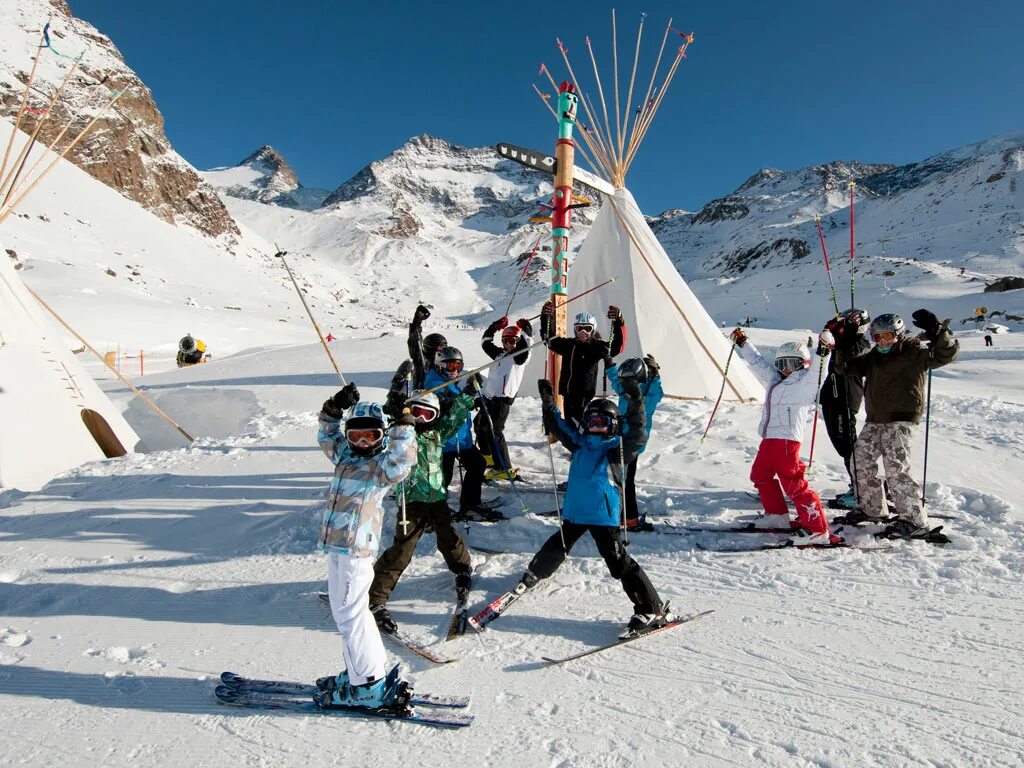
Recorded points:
424,406
791,357
187,344
584,319
886,324
364,428
633,368
432,344
510,332
601,412
449,361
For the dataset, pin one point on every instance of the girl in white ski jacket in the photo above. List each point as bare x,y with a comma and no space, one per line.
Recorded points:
791,386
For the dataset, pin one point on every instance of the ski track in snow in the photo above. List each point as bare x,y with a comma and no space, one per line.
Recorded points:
127,586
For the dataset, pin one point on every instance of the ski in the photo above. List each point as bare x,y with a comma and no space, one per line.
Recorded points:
934,536
789,545
630,639
743,528
241,698
292,688
485,550
403,640
931,515
497,607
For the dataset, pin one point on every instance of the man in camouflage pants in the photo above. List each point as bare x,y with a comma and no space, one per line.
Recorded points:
894,396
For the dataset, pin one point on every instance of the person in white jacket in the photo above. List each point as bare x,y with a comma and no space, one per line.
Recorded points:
500,392
791,385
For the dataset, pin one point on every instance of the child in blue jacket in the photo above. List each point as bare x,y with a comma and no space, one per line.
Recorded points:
592,499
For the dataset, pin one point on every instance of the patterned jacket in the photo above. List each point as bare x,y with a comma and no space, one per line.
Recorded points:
426,483
354,514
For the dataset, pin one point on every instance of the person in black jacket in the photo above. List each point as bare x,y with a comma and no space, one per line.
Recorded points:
842,394
422,351
580,356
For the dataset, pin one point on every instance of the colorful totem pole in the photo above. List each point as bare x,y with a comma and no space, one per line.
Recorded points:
565,151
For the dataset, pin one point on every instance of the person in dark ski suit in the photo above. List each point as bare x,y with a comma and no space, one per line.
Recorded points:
592,499
842,394
503,381
422,350
577,381
895,373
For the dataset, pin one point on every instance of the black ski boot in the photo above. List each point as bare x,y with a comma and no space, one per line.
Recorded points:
382,616
858,517
463,583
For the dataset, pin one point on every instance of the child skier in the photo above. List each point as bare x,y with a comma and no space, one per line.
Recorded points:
792,385
367,462
894,395
577,381
422,350
426,504
592,500
500,392
647,375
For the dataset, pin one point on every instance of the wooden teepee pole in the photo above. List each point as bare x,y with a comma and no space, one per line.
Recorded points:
629,94
646,124
600,89
595,130
117,373
617,181
650,87
21,107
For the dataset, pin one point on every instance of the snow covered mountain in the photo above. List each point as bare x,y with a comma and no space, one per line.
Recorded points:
266,177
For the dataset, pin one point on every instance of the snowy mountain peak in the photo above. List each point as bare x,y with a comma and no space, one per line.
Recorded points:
266,177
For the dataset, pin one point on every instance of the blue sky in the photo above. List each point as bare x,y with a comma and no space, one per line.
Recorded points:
334,85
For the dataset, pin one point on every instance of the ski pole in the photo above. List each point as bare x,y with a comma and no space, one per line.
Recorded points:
281,254
522,275
725,375
578,295
817,400
828,269
622,489
852,185
484,367
927,420
554,477
404,519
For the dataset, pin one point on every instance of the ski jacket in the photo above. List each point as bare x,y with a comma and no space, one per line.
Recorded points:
789,401
421,366
850,343
652,393
578,377
894,386
462,440
426,482
354,514
505,378
592,495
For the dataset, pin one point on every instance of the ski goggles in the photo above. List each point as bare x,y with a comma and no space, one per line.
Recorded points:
453,367
583,328
598,422
364,437
788,365
884,337
422,413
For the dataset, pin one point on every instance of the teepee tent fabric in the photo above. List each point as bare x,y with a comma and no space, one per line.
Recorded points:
53,416
663,316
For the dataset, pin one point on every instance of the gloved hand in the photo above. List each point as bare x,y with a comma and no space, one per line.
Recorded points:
739,338
343,399
653,369
404,370
525,326
606,357
926,321
548,310
473,384
614,313
547,392
422,313
406,419
501,323
826,343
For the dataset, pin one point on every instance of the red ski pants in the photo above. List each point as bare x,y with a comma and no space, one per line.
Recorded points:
781,459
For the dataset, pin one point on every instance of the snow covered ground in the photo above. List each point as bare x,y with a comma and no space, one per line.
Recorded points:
128,585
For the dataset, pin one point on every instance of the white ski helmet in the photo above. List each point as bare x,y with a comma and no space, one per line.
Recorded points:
791,357
364,428
424,406
585,318
888,323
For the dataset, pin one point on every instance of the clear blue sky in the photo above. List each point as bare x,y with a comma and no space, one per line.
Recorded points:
334,85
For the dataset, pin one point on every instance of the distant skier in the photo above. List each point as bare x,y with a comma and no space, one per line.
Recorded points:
461,447
367,462
577,381
842,394
646,373
503,381
988,340
191,351
426,506
592,500
792,385
894,396
423,350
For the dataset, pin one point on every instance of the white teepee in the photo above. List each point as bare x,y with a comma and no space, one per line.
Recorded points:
663,317
53,417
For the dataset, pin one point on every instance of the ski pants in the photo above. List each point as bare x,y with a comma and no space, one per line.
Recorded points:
632,511
620,565
491,442
348,582
840,421
892,444
392,563
473,465
777,468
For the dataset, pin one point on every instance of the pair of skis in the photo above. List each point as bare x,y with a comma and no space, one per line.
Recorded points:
241,691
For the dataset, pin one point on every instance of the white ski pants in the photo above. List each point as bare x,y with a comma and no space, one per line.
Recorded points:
348,583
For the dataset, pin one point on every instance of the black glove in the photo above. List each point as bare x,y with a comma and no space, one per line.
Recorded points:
614,314
525,326
422,313
547,392
739,338
473,384
406,419
927,321
343,399
653,369
404,371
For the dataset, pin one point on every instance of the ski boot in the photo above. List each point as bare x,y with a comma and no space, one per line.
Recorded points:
389,693
641,623
858,517
801,537
773,522
904,529
477,514
382,616
463,583
843,501
639,526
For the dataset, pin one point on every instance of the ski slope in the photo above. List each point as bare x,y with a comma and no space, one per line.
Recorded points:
128,585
